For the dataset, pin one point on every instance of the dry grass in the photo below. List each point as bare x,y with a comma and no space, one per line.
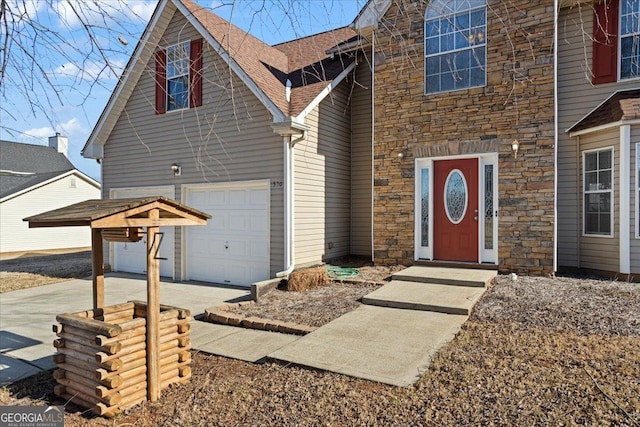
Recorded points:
492,374
309,278
538,351
23,273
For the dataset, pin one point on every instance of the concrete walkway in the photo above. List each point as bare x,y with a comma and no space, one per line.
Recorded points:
249,345
393,340
395,343
26,316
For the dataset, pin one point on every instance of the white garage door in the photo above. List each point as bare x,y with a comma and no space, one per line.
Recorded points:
132,257
233,248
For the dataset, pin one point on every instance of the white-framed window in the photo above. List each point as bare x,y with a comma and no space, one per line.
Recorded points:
597,167
629,39
178,76
455,45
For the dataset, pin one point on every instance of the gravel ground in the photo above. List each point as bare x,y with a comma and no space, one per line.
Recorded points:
537,351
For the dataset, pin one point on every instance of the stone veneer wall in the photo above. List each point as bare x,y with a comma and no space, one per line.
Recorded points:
516,103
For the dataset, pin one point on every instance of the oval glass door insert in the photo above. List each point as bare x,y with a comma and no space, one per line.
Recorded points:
455,196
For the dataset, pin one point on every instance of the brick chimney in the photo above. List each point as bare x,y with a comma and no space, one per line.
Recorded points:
60,143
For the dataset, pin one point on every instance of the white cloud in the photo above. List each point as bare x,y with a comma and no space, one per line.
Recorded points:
25,8
70,128
138,10
90,70
109,13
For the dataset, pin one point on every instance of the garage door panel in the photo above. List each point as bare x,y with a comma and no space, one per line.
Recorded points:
238,198
239,223
258,251
238,233
259,197
131,257
259,223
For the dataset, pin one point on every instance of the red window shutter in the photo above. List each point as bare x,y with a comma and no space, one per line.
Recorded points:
195,83
605,42
161,81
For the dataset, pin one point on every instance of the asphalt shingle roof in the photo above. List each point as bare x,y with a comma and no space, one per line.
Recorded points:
304,61
25,165
622,105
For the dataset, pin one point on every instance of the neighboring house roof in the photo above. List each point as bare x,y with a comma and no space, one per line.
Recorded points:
265,69
29,158
25,166
623,105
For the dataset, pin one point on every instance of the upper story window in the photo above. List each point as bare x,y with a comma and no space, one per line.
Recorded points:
178,76
455,45
616,41
629,39
598,192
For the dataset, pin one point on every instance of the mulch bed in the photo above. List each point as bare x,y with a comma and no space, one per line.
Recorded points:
313,307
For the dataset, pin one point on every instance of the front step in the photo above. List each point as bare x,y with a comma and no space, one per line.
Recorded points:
445,276
426,297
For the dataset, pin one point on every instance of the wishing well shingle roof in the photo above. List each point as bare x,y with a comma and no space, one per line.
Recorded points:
303,61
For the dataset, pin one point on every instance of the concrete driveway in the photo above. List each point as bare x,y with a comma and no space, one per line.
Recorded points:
26,316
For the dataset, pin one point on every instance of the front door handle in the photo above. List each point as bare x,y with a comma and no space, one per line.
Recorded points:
226,245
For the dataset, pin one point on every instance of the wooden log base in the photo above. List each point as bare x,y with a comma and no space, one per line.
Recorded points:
96,326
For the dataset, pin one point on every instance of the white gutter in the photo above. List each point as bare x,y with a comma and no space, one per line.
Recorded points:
625,201
556,17
289,258
373,134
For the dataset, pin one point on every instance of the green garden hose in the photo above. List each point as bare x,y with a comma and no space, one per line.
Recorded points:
342,272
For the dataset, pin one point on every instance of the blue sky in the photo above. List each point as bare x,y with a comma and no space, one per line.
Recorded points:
83,82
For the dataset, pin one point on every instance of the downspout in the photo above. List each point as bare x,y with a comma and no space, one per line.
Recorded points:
373,134
579,223
556,17
289,259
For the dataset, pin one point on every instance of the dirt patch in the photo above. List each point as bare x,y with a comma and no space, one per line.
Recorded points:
29,272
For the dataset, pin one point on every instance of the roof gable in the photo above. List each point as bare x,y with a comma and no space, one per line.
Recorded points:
12,186
303,61
621,106
264,69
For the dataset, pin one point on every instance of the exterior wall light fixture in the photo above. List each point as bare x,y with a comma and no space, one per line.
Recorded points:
515,146
176,169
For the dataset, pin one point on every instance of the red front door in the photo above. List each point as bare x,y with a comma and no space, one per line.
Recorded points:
455,205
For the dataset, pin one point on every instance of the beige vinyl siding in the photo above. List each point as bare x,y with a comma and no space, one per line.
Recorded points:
227,139
361,160
599,252
64,191
576,98
322,182
634,239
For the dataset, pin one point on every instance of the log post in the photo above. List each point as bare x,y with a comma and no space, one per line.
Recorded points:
97,259
153,309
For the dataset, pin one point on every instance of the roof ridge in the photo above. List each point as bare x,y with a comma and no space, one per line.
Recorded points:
309,36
